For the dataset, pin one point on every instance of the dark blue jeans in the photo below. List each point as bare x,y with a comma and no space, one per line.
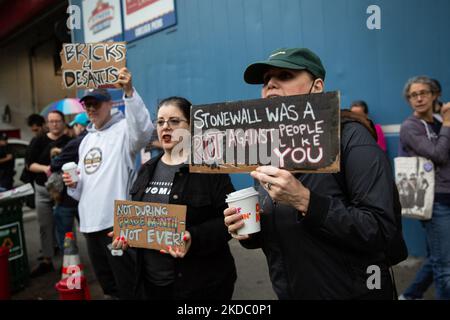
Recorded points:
422,281
438,238
64,220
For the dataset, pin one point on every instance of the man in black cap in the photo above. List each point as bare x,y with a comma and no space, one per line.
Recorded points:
322,233
6,164
106,167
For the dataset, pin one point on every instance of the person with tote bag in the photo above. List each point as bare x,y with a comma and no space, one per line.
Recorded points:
422,135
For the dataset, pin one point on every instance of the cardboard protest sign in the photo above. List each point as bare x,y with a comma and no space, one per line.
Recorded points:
296,133
150,225
92,65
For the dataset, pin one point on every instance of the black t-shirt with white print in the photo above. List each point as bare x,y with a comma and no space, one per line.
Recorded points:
159,268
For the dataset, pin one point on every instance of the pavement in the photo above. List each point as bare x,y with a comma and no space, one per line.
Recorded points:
253,281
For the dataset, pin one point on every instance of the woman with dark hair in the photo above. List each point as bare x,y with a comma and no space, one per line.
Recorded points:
206,269
423,135
361,107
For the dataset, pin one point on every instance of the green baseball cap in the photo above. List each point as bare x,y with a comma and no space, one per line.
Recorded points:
289,58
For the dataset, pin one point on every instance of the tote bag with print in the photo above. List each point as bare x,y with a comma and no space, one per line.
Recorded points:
414,177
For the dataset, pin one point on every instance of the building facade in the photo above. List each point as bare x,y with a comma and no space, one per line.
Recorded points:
369,49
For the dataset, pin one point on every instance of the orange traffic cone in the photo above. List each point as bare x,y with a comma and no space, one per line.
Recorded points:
73,284
72,266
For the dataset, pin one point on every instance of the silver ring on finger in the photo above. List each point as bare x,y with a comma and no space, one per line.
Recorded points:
268,186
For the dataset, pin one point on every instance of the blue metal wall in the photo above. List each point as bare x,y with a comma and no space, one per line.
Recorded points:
204,55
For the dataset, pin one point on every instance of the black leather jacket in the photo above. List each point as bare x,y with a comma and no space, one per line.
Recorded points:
209,262
327,253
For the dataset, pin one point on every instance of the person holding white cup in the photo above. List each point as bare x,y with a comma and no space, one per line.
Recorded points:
71,168
203,269
319,236
246,203
107,156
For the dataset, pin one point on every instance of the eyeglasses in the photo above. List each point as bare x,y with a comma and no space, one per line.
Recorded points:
91,104
172,122
416,95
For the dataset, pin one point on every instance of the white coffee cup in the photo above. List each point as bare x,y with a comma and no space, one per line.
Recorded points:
71,168
246,203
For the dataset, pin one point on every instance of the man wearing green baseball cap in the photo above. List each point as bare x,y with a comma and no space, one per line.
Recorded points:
321,233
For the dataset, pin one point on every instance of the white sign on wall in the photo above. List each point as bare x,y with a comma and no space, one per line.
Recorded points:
144,17
102,20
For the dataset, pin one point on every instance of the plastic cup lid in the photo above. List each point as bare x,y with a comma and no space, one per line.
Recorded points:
241,194
69,165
